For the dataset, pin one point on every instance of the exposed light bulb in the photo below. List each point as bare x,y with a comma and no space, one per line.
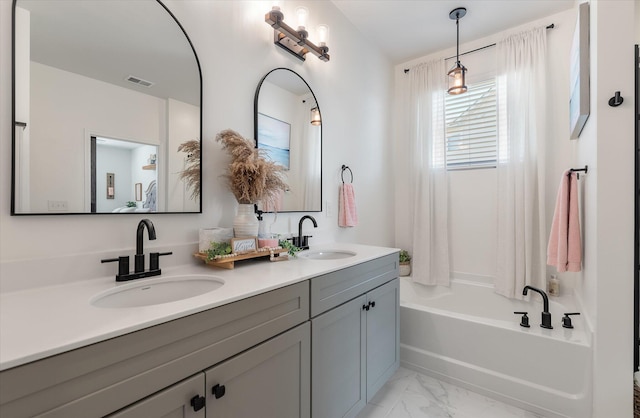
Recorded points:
302,14
323,34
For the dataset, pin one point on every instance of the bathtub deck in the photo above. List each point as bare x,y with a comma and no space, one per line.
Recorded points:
414,395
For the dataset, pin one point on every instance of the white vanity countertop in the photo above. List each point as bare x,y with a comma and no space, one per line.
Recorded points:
37,323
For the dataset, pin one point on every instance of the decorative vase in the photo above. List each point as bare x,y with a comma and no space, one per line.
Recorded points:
245,224
405,269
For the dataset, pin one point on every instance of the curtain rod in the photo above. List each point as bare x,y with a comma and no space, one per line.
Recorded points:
551,26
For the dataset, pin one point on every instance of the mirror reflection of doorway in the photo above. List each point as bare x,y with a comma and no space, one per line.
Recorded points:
117,166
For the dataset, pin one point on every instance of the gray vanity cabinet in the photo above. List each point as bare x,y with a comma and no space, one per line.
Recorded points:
354,343
100,379
271,380
257,357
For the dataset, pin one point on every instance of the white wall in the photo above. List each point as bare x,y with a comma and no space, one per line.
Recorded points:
235,48
607,145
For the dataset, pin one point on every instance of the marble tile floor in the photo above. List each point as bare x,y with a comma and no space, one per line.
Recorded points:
409,394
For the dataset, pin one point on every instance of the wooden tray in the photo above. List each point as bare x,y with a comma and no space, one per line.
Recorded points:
228,261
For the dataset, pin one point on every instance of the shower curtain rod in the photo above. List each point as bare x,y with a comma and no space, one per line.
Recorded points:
551,26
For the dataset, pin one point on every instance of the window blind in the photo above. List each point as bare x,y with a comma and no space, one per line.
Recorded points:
471,126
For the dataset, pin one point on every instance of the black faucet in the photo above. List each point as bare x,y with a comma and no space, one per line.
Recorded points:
302,241
546,315
139,257
139,271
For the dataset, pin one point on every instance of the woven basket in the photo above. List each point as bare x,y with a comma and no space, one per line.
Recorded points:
636,401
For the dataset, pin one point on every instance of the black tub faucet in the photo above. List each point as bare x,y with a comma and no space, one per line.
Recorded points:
546,315
139,257
303,241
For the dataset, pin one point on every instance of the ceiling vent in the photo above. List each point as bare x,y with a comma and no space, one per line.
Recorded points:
139,81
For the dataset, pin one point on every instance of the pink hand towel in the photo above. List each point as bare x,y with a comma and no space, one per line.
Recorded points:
564,251
347,215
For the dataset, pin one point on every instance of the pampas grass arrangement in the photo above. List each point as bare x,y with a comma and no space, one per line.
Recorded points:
191,174
251,176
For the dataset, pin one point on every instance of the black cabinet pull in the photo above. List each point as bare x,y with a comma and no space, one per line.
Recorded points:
198,402
368,306
218,391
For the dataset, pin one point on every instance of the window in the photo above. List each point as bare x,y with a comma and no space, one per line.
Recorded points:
471,126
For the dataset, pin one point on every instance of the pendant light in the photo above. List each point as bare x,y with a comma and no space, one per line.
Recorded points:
457,75
316,120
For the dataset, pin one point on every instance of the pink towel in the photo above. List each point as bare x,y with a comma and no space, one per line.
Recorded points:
347,215
564,251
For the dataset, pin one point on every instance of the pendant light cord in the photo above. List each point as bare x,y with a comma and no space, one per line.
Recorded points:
458,38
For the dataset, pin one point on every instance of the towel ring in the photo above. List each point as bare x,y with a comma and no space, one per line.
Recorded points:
577,171
344,167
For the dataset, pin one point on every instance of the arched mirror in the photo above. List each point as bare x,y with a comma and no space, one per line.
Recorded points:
288,126
105,94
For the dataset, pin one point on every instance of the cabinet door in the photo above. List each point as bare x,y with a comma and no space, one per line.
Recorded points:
271,380
383,335
338,361
173,402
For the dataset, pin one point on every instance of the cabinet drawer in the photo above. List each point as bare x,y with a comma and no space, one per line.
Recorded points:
104,377
333,289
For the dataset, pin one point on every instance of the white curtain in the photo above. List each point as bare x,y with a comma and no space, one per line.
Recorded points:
521,139
423,121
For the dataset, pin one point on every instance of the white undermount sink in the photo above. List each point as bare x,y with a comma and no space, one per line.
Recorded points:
326,254
146,292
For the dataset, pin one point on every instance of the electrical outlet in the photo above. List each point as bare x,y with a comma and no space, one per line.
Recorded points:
57,205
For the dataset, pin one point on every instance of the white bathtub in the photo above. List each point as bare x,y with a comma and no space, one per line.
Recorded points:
469,336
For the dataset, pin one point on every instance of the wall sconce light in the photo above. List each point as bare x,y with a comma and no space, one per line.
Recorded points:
316,120
294,41
457,75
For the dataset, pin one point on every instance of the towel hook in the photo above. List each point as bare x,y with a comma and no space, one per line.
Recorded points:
344,167
616,100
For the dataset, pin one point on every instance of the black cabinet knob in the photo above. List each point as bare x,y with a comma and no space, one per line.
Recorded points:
197,402
373,304
365,307
218,391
